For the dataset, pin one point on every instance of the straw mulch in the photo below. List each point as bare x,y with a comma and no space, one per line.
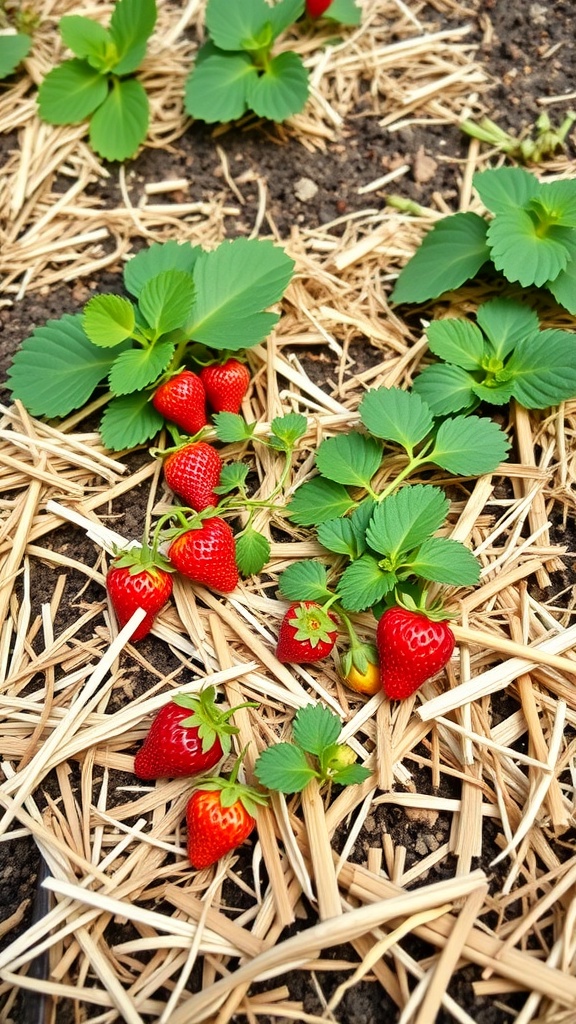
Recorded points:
132,932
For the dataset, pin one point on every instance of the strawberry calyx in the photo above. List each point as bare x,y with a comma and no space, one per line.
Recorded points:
141,557
312,623
415,600
211,722
186,521
232,791
180,441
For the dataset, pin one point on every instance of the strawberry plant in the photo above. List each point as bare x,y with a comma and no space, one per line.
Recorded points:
99,82
315,753
503,355
189,735
530,238
220,815
183,296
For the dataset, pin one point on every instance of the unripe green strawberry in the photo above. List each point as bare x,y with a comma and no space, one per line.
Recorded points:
136,580
193,471
412,648
306,634
207,554
225,385
182,400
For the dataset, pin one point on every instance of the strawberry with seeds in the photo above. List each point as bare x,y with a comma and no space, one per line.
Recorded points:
225,385
316,8
139,578
220,816
412,648
205,552
190,734
182,400
193,471
306,634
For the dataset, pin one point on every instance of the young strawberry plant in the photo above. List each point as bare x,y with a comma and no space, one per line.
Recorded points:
99,82
530,238
315,753
503,355
182,297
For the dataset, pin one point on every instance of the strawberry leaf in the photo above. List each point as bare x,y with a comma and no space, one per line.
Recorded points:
315,728
284,768
543,369
129,421
131,24
252,551
396,415
217,86
443,560
166,300
232,477
451,253
505,323
318,500
364,583
13,49
351,775
469,446
445,388
71,92
281,90
305,581
351,459
338,535
88,40
284,14
563,287
230,25
457,341
108,320
57,368
405,519
231,427
134,369
119,125
505,188
161,256
524,252
286,430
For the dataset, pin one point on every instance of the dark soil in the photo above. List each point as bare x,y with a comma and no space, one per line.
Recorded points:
529,52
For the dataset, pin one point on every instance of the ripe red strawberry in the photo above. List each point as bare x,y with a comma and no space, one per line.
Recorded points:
412,648
305,634
225,385
190,734
316,8
137,579
220,816
182,400
206,553
193,471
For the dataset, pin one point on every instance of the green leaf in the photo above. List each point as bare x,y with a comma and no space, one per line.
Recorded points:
315,728
505,323
469,446
57,368
346,12
443,560
136,368
284,768
13,49
119,126
563,287
543,369
558,201
131,25
524,253
338,535
405,519
216,88
284,14
351,775
286,430
88,40
445,388
232,477
159,257
505,188
451,253
396,415
166,300
252,551
457,341
71,92
364,583
234,283
231,427
359,521
129,421
305,581
108,320
351,459
231,24
318,500
496,392
281,90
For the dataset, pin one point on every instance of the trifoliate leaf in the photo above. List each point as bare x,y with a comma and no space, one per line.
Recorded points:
88,40
406,518
451,253
231,427
159,257
136,368
305,581
350,459
526,253
234,283
108,320
129,421
13,49
120,124
71,92
457,341
284,768
338,535
216,88
286,430
131,24
505,188
315,728
281,90
166,300
396,415
252,551
318,500
505,323
57,368
445,388
543,369
469,446
232,477
443,560
363,584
